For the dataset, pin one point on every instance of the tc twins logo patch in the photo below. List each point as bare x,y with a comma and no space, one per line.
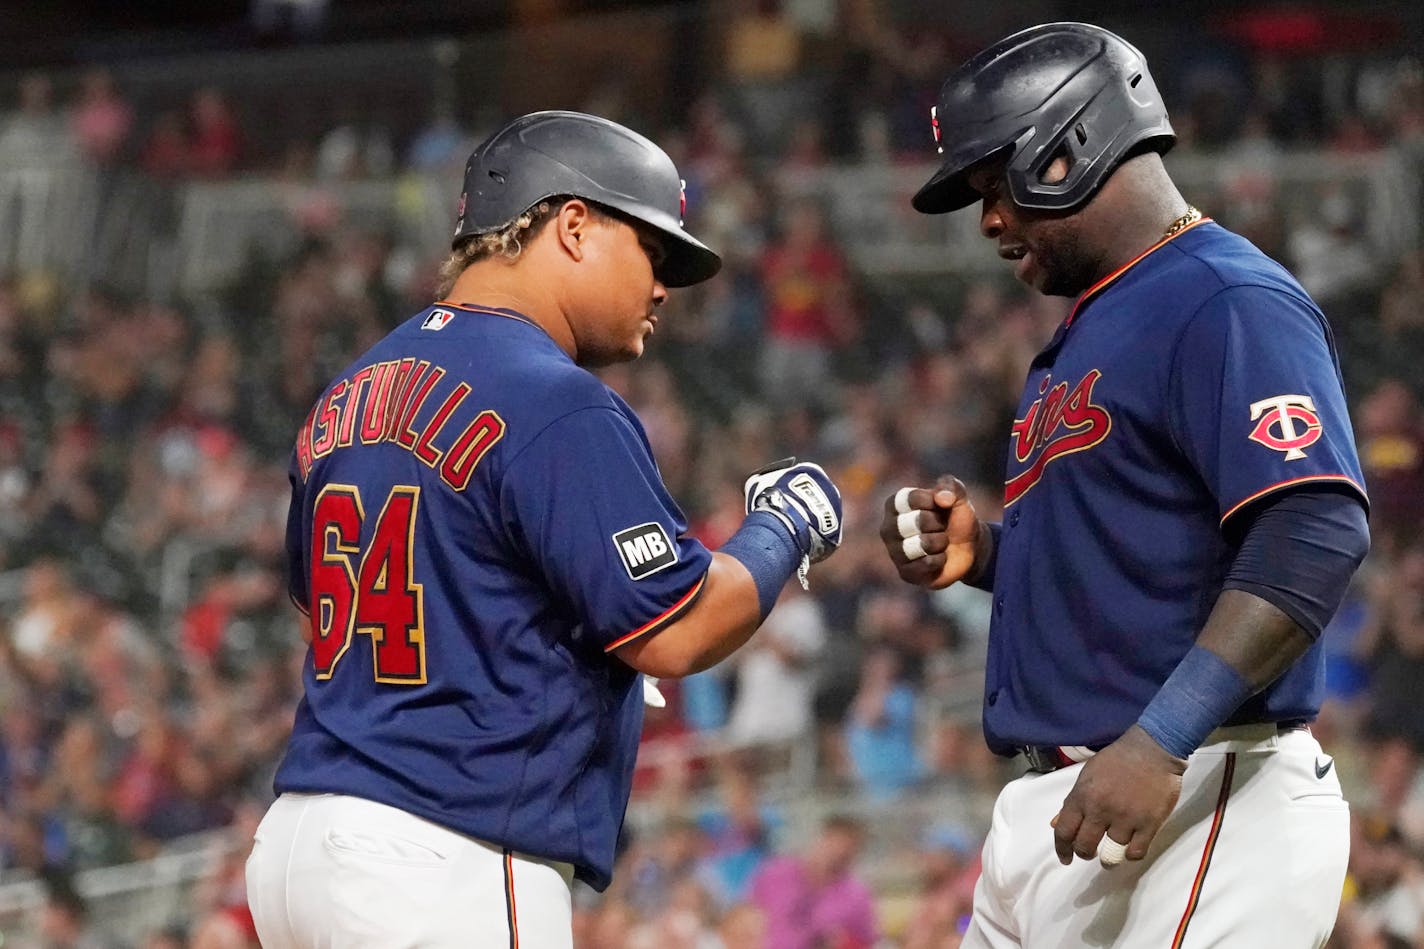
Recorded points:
644,549
1062,421
1287,423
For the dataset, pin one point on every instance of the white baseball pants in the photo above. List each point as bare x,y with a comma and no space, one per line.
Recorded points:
334,872
1253,855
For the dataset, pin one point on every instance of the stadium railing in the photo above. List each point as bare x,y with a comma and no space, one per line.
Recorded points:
195,238
129,900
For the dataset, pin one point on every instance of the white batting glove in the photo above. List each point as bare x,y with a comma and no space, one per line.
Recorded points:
803,497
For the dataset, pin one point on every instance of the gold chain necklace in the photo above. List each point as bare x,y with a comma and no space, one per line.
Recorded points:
1191,217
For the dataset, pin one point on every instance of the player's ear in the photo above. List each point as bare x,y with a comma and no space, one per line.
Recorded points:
572,224
1057,169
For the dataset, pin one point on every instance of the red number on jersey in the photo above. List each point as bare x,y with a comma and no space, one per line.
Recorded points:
336,536
380,597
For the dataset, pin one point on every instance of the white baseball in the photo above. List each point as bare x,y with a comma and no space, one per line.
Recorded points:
1110,852
914,547
902,501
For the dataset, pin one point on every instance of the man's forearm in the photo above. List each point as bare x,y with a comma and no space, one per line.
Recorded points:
1244,646
1254,637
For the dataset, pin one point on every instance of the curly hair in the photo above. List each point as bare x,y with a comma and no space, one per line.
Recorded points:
507,242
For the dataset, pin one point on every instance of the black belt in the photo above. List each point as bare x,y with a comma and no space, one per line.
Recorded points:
1043,759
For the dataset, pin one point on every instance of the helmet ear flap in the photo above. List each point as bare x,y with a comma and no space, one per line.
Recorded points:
1070,146
1090,137
1029,168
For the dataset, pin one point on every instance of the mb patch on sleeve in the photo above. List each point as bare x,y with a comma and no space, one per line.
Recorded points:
645,549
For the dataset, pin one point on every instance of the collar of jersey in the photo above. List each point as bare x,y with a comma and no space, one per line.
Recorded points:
1097,288
489,311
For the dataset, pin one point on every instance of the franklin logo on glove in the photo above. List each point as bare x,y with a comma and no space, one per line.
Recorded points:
805,488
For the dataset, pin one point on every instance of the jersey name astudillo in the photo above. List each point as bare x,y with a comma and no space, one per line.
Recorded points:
1197,379
465,583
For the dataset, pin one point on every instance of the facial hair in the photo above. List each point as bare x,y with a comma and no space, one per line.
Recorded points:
1068,268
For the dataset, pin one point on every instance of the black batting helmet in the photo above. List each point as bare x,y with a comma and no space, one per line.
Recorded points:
544,154
1059,88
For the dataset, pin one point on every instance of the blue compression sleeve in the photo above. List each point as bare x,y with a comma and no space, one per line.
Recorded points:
1299,552
985,580
769,553
1199,695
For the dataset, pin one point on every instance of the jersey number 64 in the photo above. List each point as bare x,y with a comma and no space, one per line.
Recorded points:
370,589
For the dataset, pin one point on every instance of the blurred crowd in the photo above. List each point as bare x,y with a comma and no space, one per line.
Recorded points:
827,787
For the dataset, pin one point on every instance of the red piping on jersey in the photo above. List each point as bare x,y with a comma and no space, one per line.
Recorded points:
1102,284
1211,839
486,310
1301,480
509,906
663,619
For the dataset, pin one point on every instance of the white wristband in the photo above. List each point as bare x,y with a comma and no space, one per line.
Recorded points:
914,547
902,501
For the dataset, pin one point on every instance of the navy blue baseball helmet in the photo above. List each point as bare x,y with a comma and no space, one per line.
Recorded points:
546,154
1057,89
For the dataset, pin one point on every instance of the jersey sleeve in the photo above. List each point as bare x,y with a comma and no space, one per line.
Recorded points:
1256,400
587,502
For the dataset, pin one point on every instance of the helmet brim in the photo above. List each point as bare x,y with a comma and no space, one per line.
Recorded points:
948,190
686,260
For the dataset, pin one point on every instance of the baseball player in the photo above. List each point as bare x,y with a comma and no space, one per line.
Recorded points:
1183,508
490,562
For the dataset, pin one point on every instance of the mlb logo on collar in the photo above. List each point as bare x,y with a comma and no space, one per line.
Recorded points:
644,549
437,320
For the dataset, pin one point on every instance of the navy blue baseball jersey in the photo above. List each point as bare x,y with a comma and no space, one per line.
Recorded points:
476,523
1194,380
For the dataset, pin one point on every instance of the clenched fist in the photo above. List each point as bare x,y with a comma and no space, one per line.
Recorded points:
933,535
